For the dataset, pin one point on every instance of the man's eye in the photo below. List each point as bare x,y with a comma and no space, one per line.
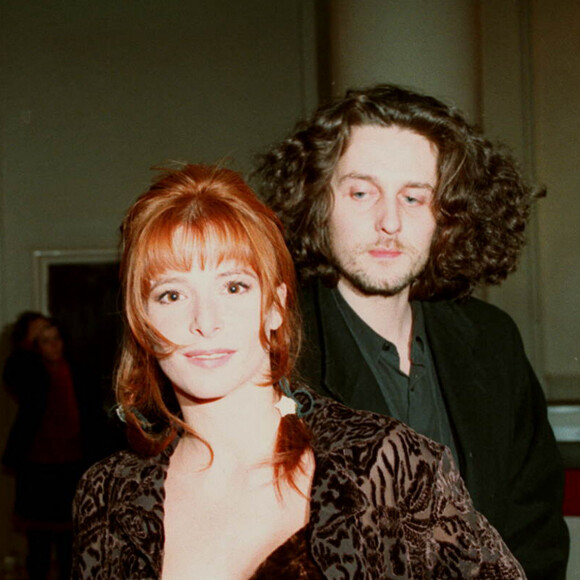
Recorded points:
358,194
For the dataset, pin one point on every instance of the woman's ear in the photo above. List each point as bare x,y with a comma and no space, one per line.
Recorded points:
276,315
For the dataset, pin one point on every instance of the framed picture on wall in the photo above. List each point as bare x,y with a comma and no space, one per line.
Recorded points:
81,289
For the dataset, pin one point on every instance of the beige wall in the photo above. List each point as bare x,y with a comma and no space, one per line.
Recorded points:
531,96
95,93
556,50
428,45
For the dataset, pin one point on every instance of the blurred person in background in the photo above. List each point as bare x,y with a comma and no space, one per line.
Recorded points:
51,441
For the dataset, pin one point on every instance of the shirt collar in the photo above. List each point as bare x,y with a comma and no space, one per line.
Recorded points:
372,342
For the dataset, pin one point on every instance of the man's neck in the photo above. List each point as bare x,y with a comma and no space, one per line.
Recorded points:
389,316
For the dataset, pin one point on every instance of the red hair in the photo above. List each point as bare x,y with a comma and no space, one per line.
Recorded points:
198,213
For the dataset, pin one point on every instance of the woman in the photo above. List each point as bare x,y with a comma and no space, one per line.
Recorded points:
234,473
45,448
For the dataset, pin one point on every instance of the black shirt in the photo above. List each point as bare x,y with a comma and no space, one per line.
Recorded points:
414,399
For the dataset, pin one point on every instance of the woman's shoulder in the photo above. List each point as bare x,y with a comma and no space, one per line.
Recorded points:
121,466
116,499
336,427
113,486
117,461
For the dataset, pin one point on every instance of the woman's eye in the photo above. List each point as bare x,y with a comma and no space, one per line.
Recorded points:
236,287
169,296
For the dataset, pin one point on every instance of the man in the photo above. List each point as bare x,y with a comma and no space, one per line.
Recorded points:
395,209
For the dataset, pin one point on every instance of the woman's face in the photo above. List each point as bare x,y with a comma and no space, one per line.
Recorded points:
50,344
34,330
213,315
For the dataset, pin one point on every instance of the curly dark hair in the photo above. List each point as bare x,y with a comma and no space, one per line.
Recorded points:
481,203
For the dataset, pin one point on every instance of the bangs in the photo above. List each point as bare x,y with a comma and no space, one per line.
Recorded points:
198,217
205,242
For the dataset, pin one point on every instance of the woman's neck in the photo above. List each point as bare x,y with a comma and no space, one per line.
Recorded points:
241,428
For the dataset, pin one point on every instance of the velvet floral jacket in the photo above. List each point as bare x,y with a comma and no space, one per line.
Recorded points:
386,503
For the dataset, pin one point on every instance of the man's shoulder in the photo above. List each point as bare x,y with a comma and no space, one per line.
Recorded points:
472,330
471,312
470,309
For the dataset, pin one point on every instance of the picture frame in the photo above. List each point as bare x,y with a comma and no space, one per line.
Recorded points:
80,289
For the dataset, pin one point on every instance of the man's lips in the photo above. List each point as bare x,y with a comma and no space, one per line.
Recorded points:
385,253
209,358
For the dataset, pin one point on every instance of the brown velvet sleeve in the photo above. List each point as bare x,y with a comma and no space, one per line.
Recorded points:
444,535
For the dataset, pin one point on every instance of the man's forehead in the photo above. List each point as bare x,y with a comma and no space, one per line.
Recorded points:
375,149
394,129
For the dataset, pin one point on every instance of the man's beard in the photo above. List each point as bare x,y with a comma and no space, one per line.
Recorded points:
368,287
364,283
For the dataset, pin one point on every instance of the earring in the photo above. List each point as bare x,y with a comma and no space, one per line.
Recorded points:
284,385
145,424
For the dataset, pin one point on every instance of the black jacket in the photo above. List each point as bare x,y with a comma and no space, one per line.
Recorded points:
507,452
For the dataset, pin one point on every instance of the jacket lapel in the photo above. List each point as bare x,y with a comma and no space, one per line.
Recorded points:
332,358
470,405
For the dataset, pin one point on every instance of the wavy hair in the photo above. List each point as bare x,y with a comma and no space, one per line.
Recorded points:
481,203
199,213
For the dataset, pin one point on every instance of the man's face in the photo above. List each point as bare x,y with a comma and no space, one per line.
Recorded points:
381,222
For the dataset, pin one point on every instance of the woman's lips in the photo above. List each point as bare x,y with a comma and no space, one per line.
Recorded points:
209,359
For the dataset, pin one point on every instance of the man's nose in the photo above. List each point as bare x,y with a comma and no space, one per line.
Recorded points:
389,216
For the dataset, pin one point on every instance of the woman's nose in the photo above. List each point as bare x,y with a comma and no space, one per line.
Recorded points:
206,319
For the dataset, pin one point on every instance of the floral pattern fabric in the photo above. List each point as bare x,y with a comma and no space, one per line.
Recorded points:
386,503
